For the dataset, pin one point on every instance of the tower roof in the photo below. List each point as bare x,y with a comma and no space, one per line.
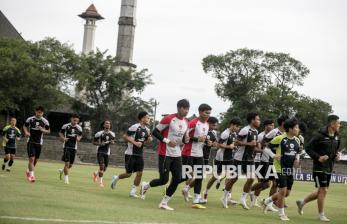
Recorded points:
91,12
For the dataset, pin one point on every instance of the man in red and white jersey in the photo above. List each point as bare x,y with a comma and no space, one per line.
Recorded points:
172,134
198,130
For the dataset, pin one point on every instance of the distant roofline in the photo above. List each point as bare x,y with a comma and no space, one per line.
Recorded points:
19,36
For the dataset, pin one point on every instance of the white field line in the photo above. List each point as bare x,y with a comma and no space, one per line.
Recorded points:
73,221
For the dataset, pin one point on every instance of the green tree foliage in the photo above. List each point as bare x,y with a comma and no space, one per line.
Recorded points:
343,134
110,91
32,74
48,72
253,80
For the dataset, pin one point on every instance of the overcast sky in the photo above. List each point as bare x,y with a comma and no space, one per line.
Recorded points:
172,37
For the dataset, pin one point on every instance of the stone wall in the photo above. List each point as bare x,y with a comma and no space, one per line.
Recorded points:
52,150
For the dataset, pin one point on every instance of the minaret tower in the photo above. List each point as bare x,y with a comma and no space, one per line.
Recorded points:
126,33
91,15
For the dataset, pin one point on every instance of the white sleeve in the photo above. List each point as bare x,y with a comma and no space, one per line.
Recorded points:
268,152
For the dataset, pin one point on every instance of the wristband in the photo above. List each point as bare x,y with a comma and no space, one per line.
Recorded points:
165,140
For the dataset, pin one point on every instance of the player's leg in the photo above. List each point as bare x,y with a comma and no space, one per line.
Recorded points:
198,163
188,162
164,172
31,150
248,184
6,157
66,172
283,182
262,184
11,161
322,182
175,167
38,148
129,169
138,169
231,179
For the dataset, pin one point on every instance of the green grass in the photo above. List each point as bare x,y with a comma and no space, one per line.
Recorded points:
83,200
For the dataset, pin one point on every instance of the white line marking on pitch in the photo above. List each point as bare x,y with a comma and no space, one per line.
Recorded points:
73,221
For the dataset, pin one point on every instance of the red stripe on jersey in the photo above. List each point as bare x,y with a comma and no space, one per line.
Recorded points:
166,120
187,148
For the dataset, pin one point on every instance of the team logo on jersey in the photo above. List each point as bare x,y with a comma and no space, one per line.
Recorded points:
143,134
203,129
37,124
107,138
291,145
180,126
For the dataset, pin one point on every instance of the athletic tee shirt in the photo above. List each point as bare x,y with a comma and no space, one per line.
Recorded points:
196,129
71,132
32,124
173,128
227,138
211,136
246,153
288,148
139,134
260,156
104,137
10,134
268,137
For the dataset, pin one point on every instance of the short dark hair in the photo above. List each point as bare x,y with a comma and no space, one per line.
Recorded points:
290,123
103,123
332,118
40,108
268,121
235,121
204,107
212,120
302,127
251,116
281,119
142,114
74,116
183,103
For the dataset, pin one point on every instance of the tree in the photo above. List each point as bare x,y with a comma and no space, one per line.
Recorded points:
343,134
109,92
253,80
32,74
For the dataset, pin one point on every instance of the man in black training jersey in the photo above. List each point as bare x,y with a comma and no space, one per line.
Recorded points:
137,136
247,145
323,149
11,134
103,139
70,134
286,157
34,128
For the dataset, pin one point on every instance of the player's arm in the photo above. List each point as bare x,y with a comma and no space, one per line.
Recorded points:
272,146
79,134
113,138
157,132
311,148
128,137
18,134
45,129
96,139
241,136
26,128
62,133
149,138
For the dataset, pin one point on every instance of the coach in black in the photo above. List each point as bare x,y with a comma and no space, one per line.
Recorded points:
323,149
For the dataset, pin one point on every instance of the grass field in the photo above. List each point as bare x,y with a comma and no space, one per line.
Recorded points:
49,198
